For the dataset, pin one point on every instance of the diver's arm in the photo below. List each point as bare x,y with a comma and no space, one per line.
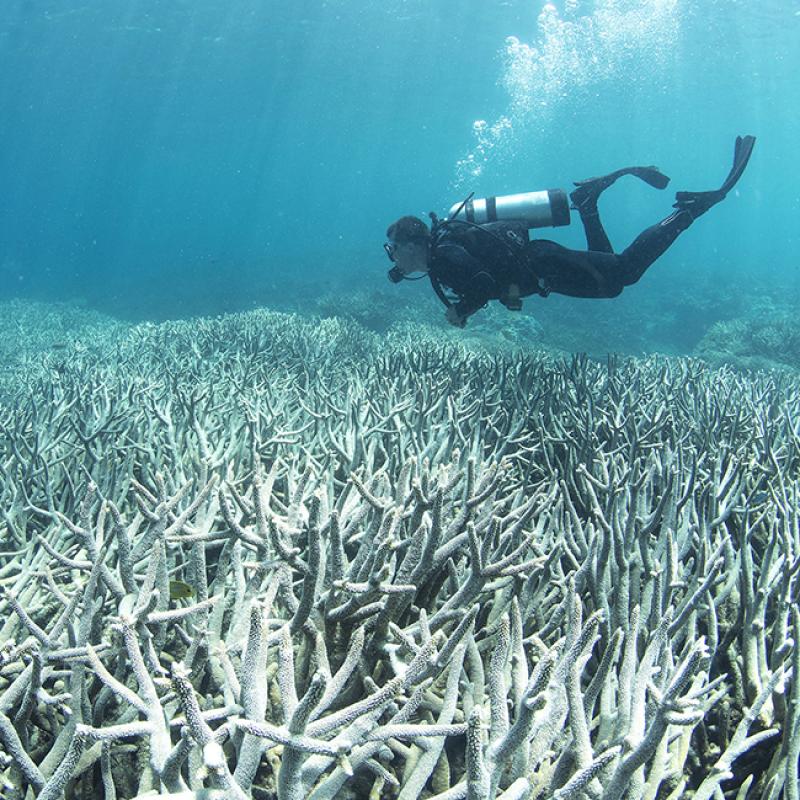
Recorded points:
467,306
477,285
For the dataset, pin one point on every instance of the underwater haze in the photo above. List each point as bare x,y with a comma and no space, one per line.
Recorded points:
168,159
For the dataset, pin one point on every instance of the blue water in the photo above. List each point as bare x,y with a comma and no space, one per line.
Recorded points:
177,157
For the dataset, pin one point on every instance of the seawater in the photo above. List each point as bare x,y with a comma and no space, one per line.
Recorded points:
168,159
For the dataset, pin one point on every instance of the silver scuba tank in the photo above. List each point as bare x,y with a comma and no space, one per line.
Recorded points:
545,209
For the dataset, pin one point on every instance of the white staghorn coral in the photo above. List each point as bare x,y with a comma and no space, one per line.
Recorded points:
253,558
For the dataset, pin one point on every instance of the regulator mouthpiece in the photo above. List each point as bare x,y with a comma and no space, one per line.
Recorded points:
545,209
394,275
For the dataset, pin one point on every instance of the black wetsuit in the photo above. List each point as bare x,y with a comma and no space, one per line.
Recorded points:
480,263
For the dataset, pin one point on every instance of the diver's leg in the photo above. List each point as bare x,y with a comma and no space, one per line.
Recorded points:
584,200
603,274
596,237
650,244
577,273
592,273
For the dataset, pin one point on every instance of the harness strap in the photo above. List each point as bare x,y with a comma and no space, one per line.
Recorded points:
439,226
437,287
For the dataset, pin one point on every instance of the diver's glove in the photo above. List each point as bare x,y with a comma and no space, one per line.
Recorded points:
454,318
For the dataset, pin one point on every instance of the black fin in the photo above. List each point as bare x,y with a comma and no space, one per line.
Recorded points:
651,176
590,189
741,155
697,203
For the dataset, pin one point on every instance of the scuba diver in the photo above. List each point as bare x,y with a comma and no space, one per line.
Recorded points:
482,251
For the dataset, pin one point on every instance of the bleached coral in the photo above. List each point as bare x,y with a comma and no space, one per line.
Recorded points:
415,572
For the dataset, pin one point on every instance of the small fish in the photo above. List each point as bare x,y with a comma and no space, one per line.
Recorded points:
178,590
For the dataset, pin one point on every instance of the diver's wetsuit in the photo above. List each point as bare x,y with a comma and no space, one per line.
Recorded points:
477,266
483,262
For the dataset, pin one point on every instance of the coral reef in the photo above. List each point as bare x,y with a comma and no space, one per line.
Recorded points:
376,309
670,318
382,311
767,337
35,337
261,556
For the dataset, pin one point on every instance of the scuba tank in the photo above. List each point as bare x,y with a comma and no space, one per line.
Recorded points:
545,209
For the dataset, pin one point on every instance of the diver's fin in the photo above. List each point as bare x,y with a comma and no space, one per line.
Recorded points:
741,155
697,203
590,189
650,175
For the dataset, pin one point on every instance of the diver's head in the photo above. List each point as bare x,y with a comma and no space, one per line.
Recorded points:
408,247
